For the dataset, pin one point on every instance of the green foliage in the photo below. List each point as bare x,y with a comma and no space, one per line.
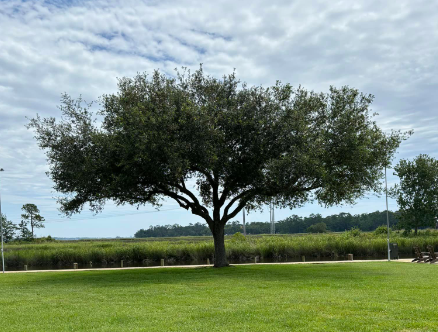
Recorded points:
9,229
196,229
382,230
354,232
238,237
417,193
243,146
293,224
317,228
24,234
30,217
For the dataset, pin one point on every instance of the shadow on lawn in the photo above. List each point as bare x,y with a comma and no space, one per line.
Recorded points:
348,273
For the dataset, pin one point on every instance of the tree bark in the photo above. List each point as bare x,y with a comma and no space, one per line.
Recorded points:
220,257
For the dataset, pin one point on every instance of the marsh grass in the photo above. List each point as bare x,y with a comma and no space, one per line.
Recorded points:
239,248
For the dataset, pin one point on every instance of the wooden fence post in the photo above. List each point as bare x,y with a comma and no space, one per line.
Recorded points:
121,263
350,257
303,258
25,268
162,261
208,261
75,266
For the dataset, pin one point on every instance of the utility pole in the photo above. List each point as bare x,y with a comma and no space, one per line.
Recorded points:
1,228
387,216
273,220
271,217
244,225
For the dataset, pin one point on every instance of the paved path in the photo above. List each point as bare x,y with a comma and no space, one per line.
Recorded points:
406,260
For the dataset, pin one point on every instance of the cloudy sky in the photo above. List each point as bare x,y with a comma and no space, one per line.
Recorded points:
387,48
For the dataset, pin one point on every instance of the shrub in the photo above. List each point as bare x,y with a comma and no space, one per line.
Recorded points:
320,227
382,230
238,237
354,231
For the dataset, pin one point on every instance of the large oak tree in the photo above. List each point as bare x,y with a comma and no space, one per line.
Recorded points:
214,146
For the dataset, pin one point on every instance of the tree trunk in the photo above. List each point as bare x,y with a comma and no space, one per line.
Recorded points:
220,257
416,230
31,223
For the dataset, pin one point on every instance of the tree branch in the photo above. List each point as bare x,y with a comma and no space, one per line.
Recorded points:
195,206
224,195
184,190
243,200
210,179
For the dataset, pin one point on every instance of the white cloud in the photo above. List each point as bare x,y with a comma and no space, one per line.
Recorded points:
385,48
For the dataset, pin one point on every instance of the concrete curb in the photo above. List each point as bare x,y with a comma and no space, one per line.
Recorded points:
406,260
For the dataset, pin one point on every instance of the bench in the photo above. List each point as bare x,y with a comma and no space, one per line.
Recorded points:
433,258
421,256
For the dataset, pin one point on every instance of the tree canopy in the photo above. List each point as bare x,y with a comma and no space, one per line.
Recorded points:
417,193
215,146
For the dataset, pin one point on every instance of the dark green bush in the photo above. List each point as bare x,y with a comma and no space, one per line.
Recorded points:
320,227
382,230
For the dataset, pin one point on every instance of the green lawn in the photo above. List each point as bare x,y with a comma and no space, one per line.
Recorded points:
330,297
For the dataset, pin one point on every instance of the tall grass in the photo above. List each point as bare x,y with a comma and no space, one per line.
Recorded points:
238,247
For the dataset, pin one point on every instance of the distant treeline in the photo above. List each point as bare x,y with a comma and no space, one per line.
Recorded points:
293,224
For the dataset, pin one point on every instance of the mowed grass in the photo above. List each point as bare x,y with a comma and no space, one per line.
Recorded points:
325,297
